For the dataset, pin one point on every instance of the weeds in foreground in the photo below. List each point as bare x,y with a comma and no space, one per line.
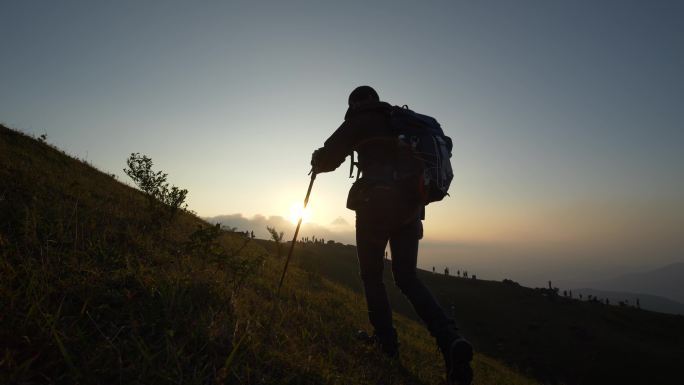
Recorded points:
277,238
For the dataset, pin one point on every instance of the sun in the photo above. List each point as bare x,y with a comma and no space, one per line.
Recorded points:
297,211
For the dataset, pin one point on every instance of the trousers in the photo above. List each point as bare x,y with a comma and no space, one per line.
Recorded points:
372,235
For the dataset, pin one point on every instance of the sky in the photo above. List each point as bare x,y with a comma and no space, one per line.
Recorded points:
566,116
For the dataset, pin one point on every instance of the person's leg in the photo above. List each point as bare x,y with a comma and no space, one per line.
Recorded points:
404,246
371,239
457,351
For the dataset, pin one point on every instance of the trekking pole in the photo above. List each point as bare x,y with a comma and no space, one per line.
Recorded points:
299,223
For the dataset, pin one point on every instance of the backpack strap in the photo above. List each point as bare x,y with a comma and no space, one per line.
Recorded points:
353,163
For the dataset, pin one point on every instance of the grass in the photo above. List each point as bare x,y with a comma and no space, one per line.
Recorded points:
95,290
313,331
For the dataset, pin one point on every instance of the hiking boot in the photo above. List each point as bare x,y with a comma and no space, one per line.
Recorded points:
457,359
388,344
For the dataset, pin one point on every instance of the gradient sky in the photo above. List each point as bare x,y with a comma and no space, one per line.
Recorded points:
567,116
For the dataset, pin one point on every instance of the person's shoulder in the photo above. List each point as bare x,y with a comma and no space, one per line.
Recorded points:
367,109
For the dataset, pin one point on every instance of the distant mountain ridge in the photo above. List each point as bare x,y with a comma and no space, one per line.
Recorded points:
646,301
667,281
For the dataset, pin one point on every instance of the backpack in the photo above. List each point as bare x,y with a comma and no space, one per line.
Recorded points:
425,138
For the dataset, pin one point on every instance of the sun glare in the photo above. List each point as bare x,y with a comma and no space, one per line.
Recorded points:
297,211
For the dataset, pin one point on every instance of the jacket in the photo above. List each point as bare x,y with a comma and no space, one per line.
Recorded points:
366,129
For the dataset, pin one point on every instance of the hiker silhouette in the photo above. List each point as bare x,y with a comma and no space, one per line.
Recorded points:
389,209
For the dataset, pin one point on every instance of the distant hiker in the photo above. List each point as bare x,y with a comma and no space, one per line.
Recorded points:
433,269
389,200
446,271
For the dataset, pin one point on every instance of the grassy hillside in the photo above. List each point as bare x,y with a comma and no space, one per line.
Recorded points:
95,288
549,337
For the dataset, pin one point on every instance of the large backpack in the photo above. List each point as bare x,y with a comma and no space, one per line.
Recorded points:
427,142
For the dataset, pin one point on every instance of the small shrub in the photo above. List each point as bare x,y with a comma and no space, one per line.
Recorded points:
203,242
162,198
206,243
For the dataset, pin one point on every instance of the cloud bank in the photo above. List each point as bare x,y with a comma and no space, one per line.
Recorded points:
341,231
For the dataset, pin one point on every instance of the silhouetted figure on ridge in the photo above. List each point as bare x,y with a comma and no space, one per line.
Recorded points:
389,209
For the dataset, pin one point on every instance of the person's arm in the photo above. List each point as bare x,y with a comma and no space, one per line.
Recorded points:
360,122
335,149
